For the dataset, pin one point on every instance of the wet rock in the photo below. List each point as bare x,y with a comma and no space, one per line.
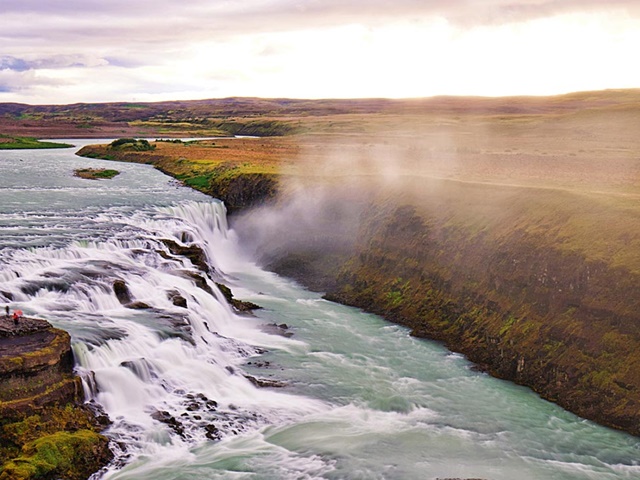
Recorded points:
239,305
122,292
140,367
186,237
198,279
260,364
177,299
101,417
193,252
202,396
7,295
275,329
265,382
166,418
212,432
41,397
53,285
138,306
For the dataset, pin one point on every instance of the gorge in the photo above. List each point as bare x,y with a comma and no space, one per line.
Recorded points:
533,283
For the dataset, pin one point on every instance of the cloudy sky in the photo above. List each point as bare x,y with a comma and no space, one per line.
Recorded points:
65,51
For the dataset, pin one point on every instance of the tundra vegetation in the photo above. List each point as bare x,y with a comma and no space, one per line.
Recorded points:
507,228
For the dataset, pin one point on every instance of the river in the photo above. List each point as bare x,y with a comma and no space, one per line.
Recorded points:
361,399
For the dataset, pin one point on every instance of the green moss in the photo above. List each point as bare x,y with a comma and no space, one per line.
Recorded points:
54,456
58,442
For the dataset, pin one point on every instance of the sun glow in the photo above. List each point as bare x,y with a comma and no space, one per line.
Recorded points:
420,58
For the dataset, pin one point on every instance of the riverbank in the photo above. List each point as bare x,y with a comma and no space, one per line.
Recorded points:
45,430
28,143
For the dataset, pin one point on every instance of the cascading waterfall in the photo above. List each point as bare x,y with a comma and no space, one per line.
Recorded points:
169,377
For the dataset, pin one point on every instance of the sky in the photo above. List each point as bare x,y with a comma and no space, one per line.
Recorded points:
68,51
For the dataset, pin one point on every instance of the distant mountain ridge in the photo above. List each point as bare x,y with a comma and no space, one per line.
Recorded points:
248,106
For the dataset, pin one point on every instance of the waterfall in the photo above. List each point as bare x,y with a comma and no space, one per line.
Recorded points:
169,377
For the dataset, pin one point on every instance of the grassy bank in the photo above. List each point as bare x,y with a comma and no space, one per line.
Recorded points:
27,143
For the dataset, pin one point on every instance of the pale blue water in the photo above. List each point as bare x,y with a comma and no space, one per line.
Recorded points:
363,399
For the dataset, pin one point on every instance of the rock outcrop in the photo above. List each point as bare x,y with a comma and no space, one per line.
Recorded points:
36,367
40,406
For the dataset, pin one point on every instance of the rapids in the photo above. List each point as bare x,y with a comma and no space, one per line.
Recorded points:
361,398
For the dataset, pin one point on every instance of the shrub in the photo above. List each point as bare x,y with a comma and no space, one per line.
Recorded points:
140,145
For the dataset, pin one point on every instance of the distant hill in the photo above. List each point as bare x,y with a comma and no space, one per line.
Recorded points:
202,117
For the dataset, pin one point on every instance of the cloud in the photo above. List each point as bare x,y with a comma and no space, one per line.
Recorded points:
125,61
264,47
26,81
162,21
8,62
168,27
53,62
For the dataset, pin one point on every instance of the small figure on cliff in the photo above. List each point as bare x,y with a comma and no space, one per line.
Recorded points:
15,318
6,309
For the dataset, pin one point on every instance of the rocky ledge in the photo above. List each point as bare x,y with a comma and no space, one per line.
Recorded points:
36,366
45,431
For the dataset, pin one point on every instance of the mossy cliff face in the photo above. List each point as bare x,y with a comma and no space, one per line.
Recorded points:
531,316
57,442
44,432
487,275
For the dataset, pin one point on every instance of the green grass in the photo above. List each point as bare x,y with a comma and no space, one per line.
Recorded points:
25,143
200,182
96,173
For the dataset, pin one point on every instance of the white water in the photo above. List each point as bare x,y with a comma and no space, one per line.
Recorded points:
363,400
